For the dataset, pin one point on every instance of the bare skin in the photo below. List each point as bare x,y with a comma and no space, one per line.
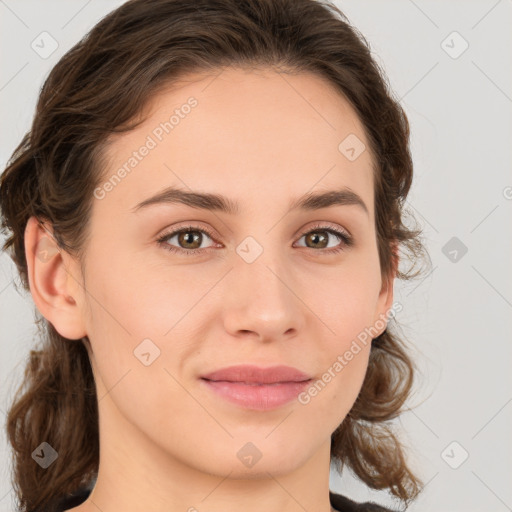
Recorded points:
167,443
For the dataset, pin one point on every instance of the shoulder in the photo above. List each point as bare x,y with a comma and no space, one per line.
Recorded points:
343,504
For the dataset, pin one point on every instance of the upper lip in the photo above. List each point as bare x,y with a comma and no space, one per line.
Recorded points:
256,374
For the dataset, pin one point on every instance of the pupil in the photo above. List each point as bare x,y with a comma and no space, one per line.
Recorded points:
316,238
188,237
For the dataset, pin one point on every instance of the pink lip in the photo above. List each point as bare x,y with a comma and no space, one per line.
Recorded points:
257,375
257,388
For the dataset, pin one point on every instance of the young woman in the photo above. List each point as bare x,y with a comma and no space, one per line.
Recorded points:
207,212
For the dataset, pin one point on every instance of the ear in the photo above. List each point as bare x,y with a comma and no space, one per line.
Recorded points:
385,300
54,280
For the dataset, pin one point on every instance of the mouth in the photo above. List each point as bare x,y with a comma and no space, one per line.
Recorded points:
257,396
253,387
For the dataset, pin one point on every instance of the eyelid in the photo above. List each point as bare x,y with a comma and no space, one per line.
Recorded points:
326,225
180,229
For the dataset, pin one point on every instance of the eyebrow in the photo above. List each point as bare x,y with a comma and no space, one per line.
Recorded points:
220,203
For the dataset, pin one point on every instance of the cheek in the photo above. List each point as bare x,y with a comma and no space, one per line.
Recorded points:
137,301
347,370
330,397
346,305
332,394
347,301
139,315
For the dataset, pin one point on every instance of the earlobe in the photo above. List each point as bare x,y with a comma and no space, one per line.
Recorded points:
49,270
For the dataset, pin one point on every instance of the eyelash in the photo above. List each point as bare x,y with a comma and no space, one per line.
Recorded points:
346,239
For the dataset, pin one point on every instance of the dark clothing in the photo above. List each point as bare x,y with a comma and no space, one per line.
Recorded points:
344,504
338,502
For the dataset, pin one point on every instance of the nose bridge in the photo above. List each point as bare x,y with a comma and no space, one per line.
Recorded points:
261,297
263,270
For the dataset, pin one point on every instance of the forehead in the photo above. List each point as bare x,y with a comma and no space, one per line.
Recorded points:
243,131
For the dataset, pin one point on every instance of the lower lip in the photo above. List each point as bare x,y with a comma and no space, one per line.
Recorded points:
260,397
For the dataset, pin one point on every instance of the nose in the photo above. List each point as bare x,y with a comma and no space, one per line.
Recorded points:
263,300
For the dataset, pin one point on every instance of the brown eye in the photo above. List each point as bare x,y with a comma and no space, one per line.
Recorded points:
319,238
188,240
317,241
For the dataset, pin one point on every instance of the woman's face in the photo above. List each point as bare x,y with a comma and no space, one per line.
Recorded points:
258,285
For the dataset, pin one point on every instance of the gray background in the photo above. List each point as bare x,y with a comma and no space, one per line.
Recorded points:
458,318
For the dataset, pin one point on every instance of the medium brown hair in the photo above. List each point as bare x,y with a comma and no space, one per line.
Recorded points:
101,86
